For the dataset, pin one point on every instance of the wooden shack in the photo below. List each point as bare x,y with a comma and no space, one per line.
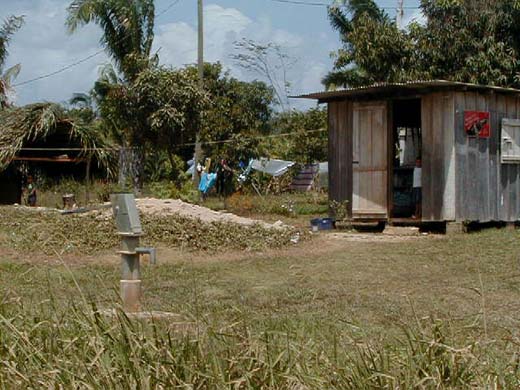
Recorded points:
467,136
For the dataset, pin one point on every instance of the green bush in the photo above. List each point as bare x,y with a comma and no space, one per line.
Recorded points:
287,205
184,191
50,192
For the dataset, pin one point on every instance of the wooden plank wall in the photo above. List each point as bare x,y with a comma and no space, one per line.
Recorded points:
486,190
438,157
340,152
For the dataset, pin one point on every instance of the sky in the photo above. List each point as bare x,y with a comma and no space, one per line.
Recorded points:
44,46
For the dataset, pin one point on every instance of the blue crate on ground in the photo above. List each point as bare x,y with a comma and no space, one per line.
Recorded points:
322,223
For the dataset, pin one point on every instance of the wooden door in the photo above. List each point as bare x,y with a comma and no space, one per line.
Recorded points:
370,161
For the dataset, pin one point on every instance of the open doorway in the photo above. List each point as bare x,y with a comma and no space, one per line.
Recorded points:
407,147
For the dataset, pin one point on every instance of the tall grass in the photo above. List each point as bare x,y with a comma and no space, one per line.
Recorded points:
79,347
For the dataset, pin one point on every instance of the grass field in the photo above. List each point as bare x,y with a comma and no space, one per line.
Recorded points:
339,311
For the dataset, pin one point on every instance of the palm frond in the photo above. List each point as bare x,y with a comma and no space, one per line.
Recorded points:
339,20
36,122
81,100
127,29
344,78
9,27
343,13
11,73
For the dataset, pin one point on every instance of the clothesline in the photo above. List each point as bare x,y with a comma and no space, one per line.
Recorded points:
231,140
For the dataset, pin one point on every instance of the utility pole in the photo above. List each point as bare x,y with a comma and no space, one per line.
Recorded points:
400,14
200,61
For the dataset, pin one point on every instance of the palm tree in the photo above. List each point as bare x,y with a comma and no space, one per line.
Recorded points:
127,30
127,37
9,27
343,15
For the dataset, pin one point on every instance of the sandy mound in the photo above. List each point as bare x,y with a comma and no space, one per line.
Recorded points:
176,206
165,207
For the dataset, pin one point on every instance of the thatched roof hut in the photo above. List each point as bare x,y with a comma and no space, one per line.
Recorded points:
43,132
40,136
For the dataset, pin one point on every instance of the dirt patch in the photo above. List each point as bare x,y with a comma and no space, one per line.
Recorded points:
390,234
162,207
169,207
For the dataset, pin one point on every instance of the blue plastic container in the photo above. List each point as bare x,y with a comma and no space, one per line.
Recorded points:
322,224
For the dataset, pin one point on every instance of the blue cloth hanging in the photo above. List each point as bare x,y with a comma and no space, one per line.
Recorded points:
207,181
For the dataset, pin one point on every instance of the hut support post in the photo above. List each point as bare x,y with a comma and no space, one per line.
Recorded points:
455,228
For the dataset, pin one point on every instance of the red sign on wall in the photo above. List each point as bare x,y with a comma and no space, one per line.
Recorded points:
476,123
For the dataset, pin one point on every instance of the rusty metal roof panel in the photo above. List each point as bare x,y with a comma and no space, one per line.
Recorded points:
419,86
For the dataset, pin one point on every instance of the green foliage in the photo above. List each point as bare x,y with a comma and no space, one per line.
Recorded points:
287,205
127,30
128,33
182,190
239,111
160,166
469,41
165,107
308,139
10,25
50,191
159,111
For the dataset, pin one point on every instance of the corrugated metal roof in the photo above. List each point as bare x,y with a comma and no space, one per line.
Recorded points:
410,87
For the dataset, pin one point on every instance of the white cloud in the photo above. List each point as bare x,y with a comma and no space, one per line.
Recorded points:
176,43
43,46
224,27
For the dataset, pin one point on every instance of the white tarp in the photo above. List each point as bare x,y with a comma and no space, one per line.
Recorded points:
272,167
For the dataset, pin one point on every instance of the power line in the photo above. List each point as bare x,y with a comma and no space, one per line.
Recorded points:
321,4
226,141
79,62
253,138
61,70
83,60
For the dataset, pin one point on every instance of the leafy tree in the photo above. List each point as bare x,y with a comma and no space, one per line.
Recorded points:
9,27
239,111
463,40
356,20
127,30
160,110
127,37
306,140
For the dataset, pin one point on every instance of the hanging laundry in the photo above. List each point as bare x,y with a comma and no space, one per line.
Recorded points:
207,182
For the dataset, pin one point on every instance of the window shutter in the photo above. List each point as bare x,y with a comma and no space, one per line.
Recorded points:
510,141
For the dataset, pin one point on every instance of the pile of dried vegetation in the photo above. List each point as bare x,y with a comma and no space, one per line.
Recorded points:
51,232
